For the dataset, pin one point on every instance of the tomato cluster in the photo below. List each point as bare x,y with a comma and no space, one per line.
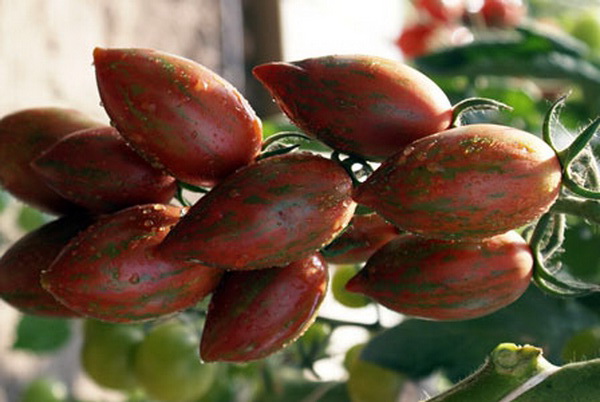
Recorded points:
442,201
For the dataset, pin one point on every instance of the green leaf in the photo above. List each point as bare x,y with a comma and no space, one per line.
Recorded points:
41,334
418,348
581,255
3,200
30,219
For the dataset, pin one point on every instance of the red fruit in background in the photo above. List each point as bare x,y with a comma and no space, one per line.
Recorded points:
470,182
361,105
363,236
503,13
109,271
22,264
443,280
442,10
23,136
177,114
415,40
253,314
270,213
97,170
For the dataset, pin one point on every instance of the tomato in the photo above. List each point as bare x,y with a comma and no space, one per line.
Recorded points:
469,182
97,170
445,280
503,13
44,389
23,135
583,345
177,114
167,364
270,213
363,236
109,271
22,264
415,40
340,278
108,351
442,10
361,105
253,314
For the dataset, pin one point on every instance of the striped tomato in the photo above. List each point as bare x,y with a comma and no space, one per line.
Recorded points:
446,280
362,105
110,272
469,182
253,314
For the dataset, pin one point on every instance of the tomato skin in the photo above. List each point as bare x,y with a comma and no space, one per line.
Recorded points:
503,13
276,211
469,182
364,235
442,10
23,135
362,105
177,114
445,280
253,314
22,263
97,170
109,271
415,39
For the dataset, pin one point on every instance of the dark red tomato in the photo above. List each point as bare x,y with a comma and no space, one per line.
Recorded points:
470,182
97,170
253,314
363,236
415,40
442,10
22,263
177,114
270,213
109,271
24,135
362,105
445,280
503,13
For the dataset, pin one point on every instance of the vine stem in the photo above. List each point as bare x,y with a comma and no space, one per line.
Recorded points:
334,323
580,207
475,103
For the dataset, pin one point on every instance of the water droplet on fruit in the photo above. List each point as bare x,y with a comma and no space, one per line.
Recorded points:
159,207
148,223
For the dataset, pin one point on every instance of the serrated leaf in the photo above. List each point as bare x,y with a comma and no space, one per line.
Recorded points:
418,348
41,334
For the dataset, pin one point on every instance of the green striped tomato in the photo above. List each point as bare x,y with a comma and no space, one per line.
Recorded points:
469,182
446,280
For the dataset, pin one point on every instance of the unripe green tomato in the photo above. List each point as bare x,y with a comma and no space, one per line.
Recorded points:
583,345
586,28
341,276
108,351
168,366
44,389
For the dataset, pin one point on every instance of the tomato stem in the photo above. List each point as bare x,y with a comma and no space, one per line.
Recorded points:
475,103
180,197
576,206
191,187
349,162
277,137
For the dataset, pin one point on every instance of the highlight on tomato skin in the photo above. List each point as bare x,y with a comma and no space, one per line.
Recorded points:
96,169
253,314
21,266
270,213
24,134
110,271
470,182
357,104
446,280
177,114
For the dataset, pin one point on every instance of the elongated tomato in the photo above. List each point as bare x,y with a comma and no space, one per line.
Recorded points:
23,136
270,213
97,170
109,271
253,314
362,105
446,280
177,113
469,182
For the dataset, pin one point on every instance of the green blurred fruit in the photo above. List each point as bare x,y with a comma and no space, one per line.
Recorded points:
168,366
583,345
108,352
368,382
341,276
586,27
44,389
